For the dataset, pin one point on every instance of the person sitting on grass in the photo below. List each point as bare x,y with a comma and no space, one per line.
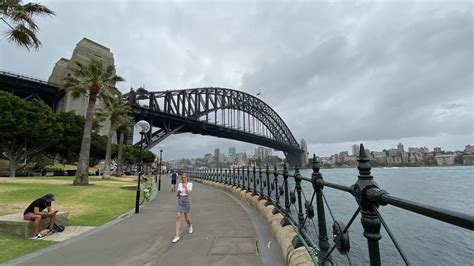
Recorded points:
35,213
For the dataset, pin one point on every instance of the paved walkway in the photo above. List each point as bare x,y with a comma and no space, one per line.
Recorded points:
224,234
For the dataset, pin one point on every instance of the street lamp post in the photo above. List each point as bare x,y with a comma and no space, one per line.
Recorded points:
144,127
155,174
159,180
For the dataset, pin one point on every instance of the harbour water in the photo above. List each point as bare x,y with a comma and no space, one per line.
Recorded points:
425,241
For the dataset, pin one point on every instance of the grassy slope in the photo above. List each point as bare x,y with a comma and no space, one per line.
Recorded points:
93,205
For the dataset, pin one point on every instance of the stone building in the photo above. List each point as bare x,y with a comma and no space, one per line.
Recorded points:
85,50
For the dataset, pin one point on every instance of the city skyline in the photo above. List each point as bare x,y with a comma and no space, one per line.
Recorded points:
349,150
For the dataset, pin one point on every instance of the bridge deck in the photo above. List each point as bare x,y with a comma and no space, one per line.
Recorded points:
224,234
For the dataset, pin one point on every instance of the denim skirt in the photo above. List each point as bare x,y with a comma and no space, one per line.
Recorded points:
183,204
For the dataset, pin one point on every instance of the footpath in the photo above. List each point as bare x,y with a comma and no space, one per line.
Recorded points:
224,234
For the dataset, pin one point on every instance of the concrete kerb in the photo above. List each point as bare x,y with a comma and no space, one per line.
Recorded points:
283,235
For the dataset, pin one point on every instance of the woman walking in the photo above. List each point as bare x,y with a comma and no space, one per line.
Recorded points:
183,206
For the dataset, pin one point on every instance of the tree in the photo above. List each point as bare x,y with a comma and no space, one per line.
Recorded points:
98,149
96,79
131,155
69,142
26,128
116,111
124,127
19,18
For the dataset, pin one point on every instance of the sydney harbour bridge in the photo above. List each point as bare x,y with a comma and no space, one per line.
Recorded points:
218,112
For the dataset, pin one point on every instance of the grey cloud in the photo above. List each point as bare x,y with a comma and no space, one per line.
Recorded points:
336,72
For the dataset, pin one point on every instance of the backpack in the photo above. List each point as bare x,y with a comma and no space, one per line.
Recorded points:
58,228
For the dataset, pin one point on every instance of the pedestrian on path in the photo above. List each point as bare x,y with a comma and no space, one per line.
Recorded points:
183,205
173,176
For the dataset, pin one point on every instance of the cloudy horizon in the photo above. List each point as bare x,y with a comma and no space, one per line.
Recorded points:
337,72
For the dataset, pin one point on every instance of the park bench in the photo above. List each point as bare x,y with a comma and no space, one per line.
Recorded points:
14,223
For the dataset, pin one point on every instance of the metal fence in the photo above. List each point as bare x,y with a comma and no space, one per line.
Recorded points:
287,194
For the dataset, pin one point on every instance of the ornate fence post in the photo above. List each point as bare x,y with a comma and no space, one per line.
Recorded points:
248,179
225,174
261,183
243,177
370,220
316,177
233,176
277,207
285,221
297,240
254,193
269,192
240,177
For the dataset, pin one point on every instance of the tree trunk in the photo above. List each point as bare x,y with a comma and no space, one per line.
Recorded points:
82,173
108,152
120,154
13,165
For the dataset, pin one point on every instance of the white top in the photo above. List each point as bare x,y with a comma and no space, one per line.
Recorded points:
181,188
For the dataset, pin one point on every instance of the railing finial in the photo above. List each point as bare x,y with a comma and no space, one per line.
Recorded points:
364,164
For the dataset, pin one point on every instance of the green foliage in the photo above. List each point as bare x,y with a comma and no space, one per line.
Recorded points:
69,144
24,121
94,79
22,29
26,127
98,148
131,155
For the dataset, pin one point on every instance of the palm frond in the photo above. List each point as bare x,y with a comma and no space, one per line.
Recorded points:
37,9
23,36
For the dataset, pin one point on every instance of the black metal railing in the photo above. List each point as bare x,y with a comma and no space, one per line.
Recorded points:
298,211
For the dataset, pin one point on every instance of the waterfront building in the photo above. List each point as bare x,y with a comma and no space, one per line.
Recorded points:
444,159
468,159
393,152
232,153
217,152
469,149
355,150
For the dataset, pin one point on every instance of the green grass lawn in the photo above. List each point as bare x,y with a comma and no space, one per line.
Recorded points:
13,246
93,205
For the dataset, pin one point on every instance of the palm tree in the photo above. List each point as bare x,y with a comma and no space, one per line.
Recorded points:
96,79
19,17
124,127
116,111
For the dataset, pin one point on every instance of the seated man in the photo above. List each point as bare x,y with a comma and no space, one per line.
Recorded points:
35,213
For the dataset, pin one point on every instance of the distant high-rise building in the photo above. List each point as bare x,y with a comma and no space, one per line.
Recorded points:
400,148
232,152
217,154
262,153
355,150
304,147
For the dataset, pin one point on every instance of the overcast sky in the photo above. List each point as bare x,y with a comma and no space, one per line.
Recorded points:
337,72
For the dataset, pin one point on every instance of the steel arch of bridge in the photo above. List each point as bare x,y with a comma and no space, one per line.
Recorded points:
219,112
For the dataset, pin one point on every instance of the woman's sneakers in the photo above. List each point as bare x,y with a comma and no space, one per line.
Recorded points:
37,237
176,238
